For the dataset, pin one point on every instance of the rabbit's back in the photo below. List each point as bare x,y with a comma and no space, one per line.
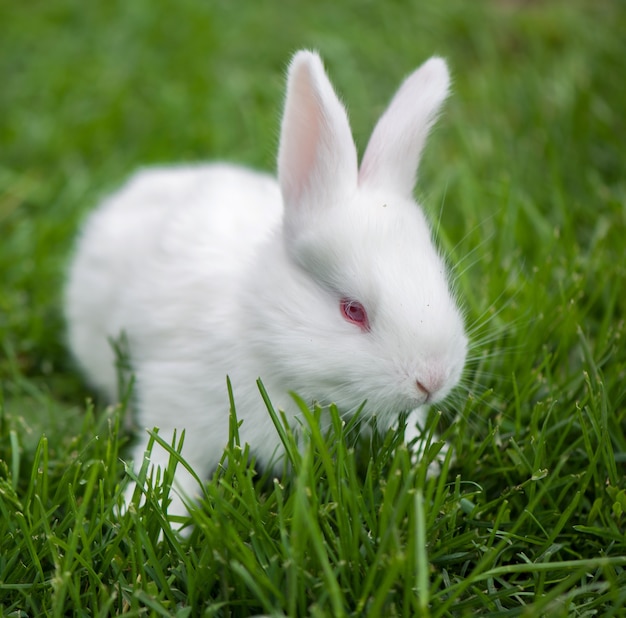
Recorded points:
163,258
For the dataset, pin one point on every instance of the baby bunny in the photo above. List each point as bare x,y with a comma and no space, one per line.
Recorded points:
325,283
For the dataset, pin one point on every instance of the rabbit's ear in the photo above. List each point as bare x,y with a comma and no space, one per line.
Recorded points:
317,160
393,153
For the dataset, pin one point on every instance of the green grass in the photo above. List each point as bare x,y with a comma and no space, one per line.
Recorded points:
525,179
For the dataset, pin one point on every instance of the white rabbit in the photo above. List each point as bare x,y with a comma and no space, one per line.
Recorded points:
325,283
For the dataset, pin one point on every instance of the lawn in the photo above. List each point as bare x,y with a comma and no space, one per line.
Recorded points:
524,179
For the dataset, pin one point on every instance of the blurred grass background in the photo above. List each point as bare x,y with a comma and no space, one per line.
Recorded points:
92,90
524,177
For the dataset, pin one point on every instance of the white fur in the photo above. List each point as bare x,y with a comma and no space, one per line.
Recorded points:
208,274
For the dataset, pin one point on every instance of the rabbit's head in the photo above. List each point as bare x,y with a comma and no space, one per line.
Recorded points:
372,317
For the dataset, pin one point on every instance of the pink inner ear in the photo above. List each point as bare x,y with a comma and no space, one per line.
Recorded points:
317,158
300,144
354,312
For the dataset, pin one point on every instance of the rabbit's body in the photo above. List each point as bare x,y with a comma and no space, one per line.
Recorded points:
325,283
139,259
134,252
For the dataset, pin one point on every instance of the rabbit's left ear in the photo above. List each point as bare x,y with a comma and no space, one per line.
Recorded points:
317,160
393,152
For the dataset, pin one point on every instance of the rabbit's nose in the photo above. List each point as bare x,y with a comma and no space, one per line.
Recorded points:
428,385
422,388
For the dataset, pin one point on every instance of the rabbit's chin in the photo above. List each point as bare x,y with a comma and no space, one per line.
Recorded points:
385,412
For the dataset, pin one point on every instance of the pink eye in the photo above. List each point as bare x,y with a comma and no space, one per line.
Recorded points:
354,312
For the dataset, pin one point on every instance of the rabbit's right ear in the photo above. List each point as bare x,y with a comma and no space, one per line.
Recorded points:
392,155
317,159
